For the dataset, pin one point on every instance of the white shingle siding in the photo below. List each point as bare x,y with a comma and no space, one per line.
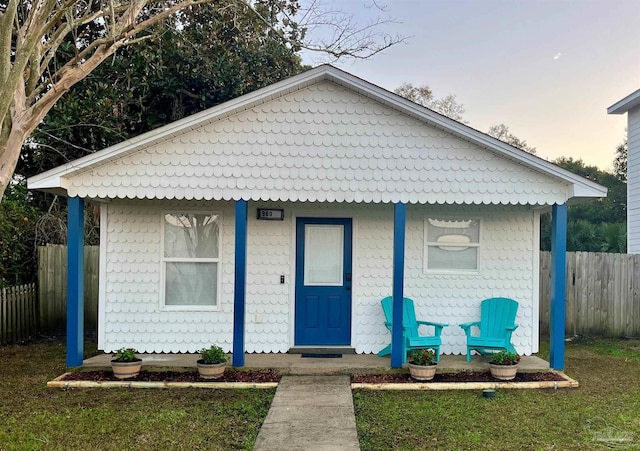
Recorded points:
133,316
633,182
506,269
322,143
131,301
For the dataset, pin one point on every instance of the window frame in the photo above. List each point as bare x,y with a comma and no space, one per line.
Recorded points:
427,244
164,260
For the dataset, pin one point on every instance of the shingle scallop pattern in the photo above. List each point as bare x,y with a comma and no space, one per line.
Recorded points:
343,136
134,317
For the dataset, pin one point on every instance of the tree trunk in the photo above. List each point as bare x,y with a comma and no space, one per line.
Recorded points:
9,153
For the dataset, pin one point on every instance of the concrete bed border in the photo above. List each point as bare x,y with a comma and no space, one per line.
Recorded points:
567,383
59,383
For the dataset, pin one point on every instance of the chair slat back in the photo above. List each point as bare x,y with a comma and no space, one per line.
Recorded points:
408,315
496,314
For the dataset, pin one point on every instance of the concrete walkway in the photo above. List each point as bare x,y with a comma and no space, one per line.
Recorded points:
310,413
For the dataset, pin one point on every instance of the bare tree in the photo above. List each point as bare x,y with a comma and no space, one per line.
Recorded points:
423,95
503,133
47,46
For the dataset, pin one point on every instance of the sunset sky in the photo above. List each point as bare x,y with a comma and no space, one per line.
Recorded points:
547,69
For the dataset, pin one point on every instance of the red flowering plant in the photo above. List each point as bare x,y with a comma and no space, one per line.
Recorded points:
423,357
505,358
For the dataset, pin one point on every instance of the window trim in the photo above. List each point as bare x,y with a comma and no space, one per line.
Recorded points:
427,244
164,260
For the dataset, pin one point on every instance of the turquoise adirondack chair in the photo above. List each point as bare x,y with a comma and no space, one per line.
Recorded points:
411,339
497,323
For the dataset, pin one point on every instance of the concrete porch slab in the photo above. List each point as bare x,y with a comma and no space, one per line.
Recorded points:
296,364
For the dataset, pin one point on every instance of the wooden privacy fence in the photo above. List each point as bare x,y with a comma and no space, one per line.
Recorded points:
603,294
52,288
18,313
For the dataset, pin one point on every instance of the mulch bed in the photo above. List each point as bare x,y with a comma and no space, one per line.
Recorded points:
270,375
461,376
255,376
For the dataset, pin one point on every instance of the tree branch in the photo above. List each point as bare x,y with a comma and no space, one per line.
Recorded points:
6,32
32,33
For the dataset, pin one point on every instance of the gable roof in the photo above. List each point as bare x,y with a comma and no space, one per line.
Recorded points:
58,179
626,104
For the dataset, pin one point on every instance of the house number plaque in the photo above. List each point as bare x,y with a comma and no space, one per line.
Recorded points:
271,214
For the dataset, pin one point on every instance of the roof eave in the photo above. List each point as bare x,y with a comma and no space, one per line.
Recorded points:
55,177
628,103
53,183
583,192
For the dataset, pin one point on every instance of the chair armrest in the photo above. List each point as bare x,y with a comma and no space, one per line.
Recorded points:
388,326
512,327
437,326
467,327
429,323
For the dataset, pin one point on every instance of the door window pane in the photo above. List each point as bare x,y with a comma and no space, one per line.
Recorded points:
323,254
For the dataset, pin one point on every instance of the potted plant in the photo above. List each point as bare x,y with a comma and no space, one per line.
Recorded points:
212,362
422,364
504,365
125,363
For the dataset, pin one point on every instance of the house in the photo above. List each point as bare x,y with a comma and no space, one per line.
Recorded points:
631,105
281,218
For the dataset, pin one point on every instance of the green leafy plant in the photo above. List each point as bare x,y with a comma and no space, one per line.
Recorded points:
213,354
423,357
125,355
505,358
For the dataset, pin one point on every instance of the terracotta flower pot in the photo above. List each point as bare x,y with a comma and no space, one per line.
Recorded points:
125,370
211,370
503,372
422,373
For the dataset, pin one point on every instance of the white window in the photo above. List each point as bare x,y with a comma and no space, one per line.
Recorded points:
191,260
451,244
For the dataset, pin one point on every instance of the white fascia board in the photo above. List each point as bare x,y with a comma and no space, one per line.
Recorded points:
43,183
586,187
626,104
582,192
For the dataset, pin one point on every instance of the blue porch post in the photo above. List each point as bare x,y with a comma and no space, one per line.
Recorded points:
75,281
239,285
399,223
558,285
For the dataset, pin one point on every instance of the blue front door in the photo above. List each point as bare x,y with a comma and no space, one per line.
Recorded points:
323,282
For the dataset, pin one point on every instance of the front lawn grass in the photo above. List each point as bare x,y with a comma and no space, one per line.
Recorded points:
34,417
604,412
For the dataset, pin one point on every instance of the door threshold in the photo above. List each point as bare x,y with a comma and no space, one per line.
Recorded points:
321,350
